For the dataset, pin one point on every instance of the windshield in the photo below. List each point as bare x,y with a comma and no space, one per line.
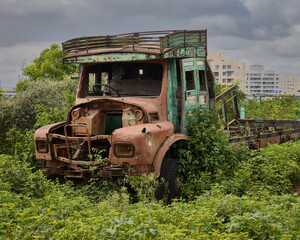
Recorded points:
122,79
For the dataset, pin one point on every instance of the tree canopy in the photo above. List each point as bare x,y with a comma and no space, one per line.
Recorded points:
49,65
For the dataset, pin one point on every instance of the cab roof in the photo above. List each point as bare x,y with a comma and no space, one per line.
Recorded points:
154,45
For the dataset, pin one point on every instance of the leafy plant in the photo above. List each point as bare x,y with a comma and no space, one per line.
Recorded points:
207,155
276,108
144,186
49,65
271,170
43,101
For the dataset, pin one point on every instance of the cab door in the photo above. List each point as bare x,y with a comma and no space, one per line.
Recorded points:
194,88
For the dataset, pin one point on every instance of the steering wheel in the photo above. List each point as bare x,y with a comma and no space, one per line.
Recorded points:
98,91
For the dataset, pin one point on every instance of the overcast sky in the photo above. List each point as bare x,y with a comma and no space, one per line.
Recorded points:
253,31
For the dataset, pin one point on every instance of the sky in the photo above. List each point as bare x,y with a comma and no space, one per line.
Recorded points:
253,31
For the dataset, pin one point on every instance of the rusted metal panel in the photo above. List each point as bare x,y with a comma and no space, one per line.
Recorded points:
262,139
116,57
146,139
164,148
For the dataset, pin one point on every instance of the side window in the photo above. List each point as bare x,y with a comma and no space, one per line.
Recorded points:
202,80
190,80
92,81
104,78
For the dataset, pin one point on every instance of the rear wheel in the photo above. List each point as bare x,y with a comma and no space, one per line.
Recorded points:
167,180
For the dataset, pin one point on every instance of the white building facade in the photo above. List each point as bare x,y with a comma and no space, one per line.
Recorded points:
227,71
260,82
9,92
290,84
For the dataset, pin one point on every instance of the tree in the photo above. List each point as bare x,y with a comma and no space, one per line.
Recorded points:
49,65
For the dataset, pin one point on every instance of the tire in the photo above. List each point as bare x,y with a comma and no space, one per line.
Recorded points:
167,180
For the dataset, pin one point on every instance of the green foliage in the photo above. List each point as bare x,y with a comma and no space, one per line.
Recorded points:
241,97
47,115
271,170
49,65
239,93
276,108
207,154
45,101
41,209
20,145
16,176
31,207
21,86
144,186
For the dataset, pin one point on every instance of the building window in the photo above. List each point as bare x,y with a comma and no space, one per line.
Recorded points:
228,66
224,73
224,66
228,74
217,67
216,74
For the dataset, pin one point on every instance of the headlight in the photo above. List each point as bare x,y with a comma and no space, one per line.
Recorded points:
77,113
41,145
124,149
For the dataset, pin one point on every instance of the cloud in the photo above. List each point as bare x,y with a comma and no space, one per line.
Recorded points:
14,57
263,31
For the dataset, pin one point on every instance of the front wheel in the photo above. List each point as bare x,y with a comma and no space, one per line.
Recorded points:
167,180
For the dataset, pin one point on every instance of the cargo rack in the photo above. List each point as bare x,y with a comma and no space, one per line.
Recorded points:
161,44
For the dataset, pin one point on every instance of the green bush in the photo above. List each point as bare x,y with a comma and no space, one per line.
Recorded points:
271,170
49,65
276,108
16,176
207,156
20,145
66,213
48,100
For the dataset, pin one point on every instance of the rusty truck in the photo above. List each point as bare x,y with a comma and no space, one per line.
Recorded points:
134,96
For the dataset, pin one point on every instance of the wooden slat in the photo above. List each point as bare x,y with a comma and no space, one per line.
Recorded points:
224,94
263,135
145,40
278,123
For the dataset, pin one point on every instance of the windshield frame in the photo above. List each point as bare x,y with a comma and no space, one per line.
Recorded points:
146,73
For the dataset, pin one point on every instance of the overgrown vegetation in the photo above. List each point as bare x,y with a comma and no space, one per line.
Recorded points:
33,207
234,195
226,192
276,108
207,156
43,102
49,66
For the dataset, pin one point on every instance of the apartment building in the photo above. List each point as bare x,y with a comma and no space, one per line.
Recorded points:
290,84
9,92
227,71
260,82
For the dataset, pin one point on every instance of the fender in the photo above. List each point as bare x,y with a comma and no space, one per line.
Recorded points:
164,148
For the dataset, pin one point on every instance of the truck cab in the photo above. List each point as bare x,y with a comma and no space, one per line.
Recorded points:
134,96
